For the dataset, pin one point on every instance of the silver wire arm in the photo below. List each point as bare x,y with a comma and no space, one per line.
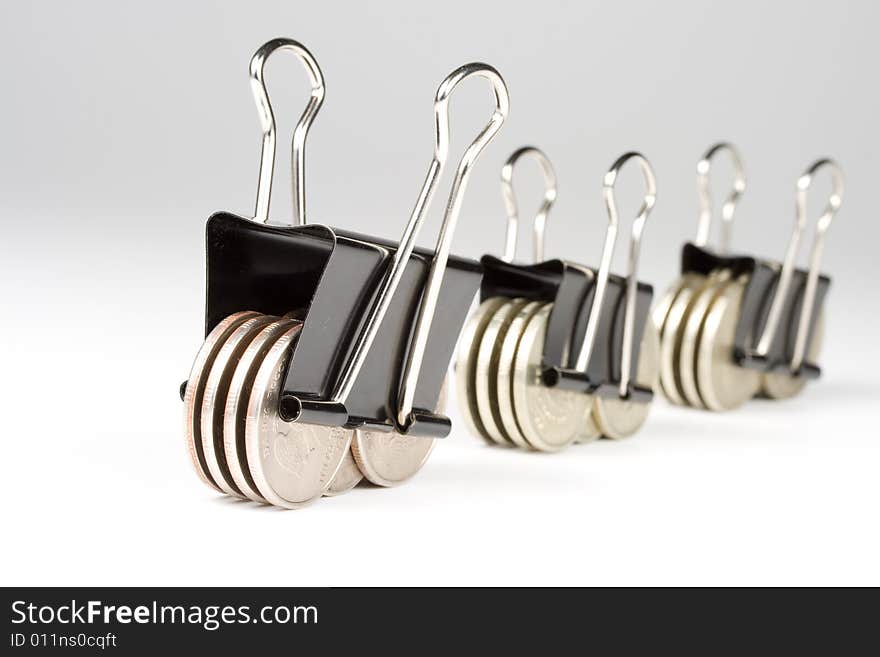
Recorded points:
403,252
267,121
601,284
729,206
785,277
510,204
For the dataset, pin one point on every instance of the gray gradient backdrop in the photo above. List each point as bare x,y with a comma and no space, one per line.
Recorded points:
123,126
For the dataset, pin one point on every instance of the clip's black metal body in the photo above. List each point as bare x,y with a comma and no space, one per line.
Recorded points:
571,287
761,287
332,275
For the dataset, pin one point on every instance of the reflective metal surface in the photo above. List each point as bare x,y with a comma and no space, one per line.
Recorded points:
504,375
638,227
291,463
510,204
692,330
466,365
389,459
668,316
723,384
729,205
407,242
267,121
347,477
214,400
784,386
486,379
621,418
788,265
235,412
550,419
195,390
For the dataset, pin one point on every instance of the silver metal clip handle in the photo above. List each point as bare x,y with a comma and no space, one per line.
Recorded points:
510,204
729,206
267,121
638,227
827,216
407,242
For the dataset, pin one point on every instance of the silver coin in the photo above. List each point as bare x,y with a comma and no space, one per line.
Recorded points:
549,418
466,365
783,386
723,384
214,400
195,390
618,418
235,412
590,430
486,378
694,320
389,459
291,463
503,389
347,477
661,307
666,317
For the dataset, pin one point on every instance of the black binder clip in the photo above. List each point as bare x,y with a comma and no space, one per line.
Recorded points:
587,325
324,356
372,352
735,326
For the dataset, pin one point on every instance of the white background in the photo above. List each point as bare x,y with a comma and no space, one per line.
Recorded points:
121,130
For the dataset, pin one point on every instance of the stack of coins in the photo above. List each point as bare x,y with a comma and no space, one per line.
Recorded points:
240,446
696,319
502,394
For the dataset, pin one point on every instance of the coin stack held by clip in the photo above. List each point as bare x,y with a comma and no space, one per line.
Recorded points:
286,407
517,381
238,443
733,327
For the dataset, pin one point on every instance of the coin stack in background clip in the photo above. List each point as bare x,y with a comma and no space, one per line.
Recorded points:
698,316
504,399
501,391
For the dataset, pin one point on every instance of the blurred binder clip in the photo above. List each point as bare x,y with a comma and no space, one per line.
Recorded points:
735,326
555,353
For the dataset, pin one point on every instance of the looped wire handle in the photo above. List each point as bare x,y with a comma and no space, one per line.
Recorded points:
785,276
510,204
638,227
729,206
267,121
441,252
